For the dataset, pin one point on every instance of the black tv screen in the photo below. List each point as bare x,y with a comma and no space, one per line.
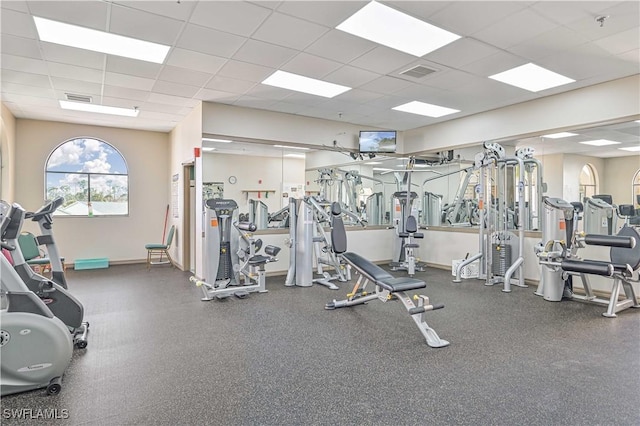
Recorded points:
375,141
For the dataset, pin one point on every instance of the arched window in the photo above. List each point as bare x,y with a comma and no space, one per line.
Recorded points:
588,182
636,188
92,177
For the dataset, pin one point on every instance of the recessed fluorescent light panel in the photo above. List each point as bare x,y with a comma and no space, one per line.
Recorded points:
422,108
531,77
600,142
299,83
101,109
372,163
289,147
559,135
295,155
389,27
631,148
208,149
99,41
216,140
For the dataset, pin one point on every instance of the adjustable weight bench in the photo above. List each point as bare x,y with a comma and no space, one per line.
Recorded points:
386,286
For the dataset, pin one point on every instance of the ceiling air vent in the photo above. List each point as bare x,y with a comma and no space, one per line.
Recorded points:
78,98
418,71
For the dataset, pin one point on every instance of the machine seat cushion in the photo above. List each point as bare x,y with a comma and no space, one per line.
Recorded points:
259,259
155,246
368,268
418,235
627,256
401,284
403,234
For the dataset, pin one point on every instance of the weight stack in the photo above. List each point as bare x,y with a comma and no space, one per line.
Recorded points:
500,259
225,267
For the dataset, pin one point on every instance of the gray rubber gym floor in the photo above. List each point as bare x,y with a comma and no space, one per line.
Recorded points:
157,355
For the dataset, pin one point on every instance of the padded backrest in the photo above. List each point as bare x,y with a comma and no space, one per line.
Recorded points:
338,233
629,256
412,225
172,230
28,246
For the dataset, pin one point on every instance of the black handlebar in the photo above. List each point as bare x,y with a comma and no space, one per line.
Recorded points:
47,209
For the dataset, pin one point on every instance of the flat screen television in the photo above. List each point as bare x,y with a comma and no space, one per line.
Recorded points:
377,141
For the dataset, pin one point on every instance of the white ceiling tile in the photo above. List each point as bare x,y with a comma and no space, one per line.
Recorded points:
494,64
448,79
382,60
340,46
468,17
27,90
621,42
78,73
632,56
143,25
288,31
232,85
548,43
90,14
212,42
583,62
129,81
519,27
245,71
167,109
195,60
175,89
172,9
144,69
156,115
358,96
72,56
310,66
329,14
267,54
385,85
209,95
387,102
19,6
182,75
251,102
419,9
622,16
17,24
65,85
351,76
305,99
263,91
234,17
159,98
19,63
273,5
126,93
119,102
20,46
564,12
461,52
24,100
25,78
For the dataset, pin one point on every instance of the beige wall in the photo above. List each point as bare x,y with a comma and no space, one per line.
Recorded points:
8,150
618,177
117,238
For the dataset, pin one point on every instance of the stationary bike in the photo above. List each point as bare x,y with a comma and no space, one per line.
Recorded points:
35,346
58,299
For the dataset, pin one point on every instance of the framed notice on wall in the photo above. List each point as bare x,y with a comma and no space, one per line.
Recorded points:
174,195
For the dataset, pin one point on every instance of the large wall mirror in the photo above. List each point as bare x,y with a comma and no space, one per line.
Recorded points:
576,165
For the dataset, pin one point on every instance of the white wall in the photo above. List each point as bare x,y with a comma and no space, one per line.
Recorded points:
249,171
117,238
571,168
8,149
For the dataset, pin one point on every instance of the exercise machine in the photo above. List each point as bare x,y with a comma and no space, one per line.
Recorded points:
258,214
431,209
234,266
560,261
35,346
599,215
59,300
386,286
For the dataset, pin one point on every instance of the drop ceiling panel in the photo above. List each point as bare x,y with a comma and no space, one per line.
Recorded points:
126,93
17,24
359,96
288,31
27,90
184,75
210,95
79,73
195,60
175,89
423,10
586,61
19,63
461,52
469,17
263,91
253,102
17,5
340,46
267,54
310,66
622,16
25,78
233,17
551,42
382,60
620,42
20,46
211,42
228,84
143,25
128,81
351,76
65,85
245,71
171,100
90,14
385,85
120,65
329,14
517,28
25,101
171,9
494,64
72,56
564,12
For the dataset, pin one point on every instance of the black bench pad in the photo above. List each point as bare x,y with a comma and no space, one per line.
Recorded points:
380,276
